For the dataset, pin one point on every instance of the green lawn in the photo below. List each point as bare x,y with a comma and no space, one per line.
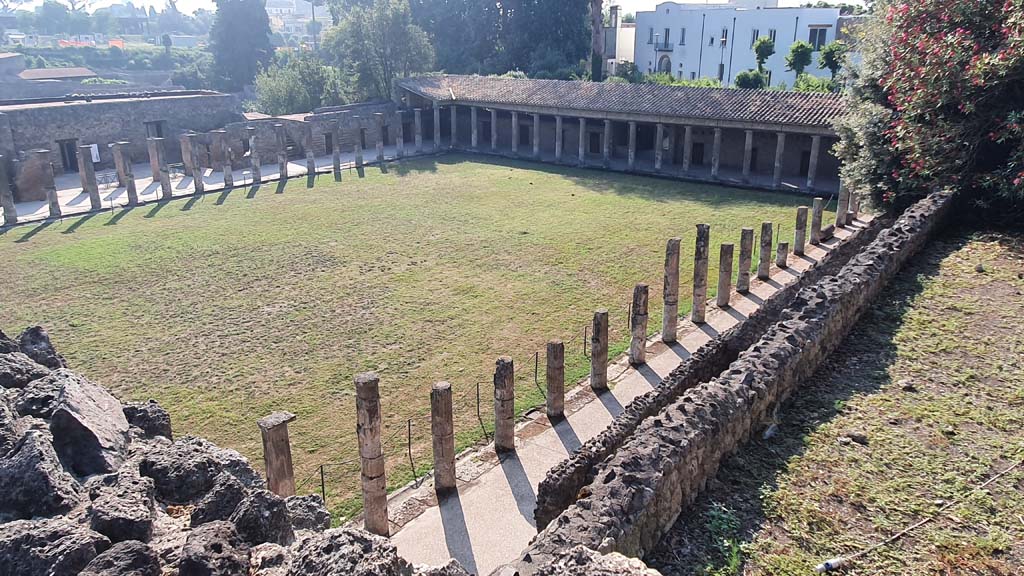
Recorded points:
921,405
229,307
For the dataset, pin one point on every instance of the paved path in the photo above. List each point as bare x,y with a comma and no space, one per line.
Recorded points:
489,521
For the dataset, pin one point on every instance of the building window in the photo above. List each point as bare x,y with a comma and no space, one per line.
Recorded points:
155,129
682,36
693,75
817,38
667,32
725,37
650,35
711,41
769,79
753,36
771,34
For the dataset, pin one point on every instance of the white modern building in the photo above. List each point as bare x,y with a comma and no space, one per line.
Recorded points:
619,40
716,40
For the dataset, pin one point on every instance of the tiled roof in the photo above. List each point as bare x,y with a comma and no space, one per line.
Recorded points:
721,104
56,73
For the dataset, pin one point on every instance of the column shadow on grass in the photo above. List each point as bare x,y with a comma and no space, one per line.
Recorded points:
157,207
78,222
858,367
28,235
118,216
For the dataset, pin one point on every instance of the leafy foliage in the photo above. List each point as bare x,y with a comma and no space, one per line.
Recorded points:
299,84
939,100
669,80
380,43
764,48
240,42
799,56
807,83
751,80
833,56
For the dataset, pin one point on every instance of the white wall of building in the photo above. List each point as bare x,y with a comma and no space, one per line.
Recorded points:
695,31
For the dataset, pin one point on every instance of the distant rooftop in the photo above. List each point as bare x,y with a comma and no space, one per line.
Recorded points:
56,73
814,110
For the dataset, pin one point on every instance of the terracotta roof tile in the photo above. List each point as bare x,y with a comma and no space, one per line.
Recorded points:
723,104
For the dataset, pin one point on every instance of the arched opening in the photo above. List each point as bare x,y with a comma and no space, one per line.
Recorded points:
665,65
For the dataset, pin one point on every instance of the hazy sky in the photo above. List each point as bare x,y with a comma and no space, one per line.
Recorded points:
188,6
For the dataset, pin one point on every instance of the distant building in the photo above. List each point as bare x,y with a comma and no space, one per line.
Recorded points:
619,40
694,41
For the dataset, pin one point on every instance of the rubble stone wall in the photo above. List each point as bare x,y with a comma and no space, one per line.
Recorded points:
638,493
562,484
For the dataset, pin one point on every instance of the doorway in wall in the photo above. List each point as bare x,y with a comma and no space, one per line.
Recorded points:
595,142
753,159
524,135
697,154
69,154
805,163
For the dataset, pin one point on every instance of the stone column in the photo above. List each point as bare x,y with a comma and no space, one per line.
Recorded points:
659,145
583,141
7,196
49,186
854,207
158,159
282,151
494,130
607,156
198,184
474,136
417,118
371,454
800,234
631,158
700,273
336,149
254,156
186,155
454,128
437,127
87,174
555,379
220,140
748,154
817,213
536,136
442,430
780,150
687,147
782,255
716,153
844,205
558,139
746,260
277,453
670,312
378,118
724,276
399,134
359,141
504,405
515,133
125,177
599,352
638,325
764,264
812,165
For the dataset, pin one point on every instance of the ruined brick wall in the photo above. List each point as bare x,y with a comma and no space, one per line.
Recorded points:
563,483
638,492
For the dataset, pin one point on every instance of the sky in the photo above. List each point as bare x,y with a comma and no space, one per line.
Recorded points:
188,6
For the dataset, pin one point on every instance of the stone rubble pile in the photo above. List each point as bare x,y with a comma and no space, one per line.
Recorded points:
91,486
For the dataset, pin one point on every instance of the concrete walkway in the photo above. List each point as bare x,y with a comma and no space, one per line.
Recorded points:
489,521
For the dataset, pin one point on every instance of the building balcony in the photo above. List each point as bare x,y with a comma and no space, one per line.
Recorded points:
664,46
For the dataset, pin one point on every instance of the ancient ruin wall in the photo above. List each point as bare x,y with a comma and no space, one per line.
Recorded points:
562,484
639,492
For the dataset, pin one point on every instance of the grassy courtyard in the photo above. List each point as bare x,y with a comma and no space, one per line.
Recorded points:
229,307
922,405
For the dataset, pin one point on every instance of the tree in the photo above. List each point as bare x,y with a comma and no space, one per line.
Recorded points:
751,80
938,100
670,80
380,43
239,42
52,17
799,57
596,41
808,83
165,40
629,18
299,84
832,57
764,48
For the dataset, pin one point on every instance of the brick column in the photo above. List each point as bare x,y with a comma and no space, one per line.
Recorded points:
817,213
800,233
7,196
780,149
748,153
607,156
555,376
125,177
494,130
186,155
442,431
417,118
220,139
670,312
437,127
638,325
687,147
358,147
336,149
631,157
724,275
504,405
659,145
282,151
700,273
254,156
844,205
49,186
782,255
536,136
583,141
812,166
558,139
746,260
716,153
453,128
371,454
277,453
399,134
87,174
599,352
474,136
158,160
198,184
764,264
378,118
515,133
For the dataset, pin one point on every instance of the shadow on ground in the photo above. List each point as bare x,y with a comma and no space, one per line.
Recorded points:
709,536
